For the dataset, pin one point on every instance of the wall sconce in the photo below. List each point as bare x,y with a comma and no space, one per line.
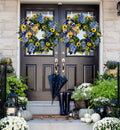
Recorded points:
118,8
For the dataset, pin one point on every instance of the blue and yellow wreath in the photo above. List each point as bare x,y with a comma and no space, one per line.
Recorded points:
30,27
71,28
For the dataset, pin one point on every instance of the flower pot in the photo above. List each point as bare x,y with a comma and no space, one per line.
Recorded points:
80,104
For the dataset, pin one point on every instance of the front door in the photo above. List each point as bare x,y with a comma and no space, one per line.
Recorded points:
78,68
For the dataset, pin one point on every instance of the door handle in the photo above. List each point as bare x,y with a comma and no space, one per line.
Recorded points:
56,68
63,67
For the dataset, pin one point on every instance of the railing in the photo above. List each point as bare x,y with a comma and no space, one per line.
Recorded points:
3,72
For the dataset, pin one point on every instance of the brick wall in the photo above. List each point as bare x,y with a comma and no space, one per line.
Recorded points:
8,29
9,26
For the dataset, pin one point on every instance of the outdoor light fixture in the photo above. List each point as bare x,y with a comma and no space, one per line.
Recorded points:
118,8
11,106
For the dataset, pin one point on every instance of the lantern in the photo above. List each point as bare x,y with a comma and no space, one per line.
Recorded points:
11,106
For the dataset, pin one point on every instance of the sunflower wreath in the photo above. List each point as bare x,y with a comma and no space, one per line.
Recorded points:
71,28
30,27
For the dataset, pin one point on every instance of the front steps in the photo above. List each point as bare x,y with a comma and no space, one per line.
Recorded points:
58,124
45,107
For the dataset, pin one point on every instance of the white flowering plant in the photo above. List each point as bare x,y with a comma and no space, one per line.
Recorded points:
107,123
22,101
13,123
82,92
101,102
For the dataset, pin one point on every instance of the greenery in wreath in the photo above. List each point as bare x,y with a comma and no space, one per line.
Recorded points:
30,27
71,28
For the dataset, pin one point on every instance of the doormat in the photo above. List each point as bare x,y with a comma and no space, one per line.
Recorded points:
65,117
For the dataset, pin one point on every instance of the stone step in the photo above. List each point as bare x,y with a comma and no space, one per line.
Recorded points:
45,107
58,124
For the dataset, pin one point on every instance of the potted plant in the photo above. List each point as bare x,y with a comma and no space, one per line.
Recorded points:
13,123
107,123
111,68
81,94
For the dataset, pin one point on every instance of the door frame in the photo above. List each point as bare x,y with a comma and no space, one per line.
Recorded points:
99,2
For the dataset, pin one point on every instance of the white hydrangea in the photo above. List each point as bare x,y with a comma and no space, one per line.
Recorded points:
107,123
13,123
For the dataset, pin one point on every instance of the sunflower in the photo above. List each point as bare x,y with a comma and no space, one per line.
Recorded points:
23,27
57,34
75,15
64,27
28,34
87,48
47,17
85,35
79,25
34,16
38,25
52,44
52,30
45,48
28,22
93,29
69,18
20,39
98,34
30,40
71,40
44,35
85,27
69,34
34,28
88,18
88,43
47,44
28,17
78,44
61,39
37,44
44,27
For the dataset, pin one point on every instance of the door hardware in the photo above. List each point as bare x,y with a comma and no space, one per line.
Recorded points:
63,60
56,68
56,53
56,60
63,67
63,53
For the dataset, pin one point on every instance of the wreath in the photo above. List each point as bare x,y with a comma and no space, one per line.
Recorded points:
30,27
71,28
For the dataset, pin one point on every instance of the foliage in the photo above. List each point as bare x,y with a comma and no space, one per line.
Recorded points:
13,123
28,34
71,28
22,101
18,84
107,123
104,88
100,102
111,64
82,92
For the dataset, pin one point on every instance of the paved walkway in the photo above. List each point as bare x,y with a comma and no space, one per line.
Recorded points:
58,124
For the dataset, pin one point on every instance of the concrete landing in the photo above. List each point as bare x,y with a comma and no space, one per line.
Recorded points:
59,124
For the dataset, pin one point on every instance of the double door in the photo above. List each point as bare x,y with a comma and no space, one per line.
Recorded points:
78,68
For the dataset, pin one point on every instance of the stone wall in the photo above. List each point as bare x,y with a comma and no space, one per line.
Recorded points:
8,30
9,25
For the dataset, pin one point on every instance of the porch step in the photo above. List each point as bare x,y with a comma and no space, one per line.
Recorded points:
58,124
45,107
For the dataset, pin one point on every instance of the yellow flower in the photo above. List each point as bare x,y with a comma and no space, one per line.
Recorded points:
88,43
69,34
44,35
85,35
28,22
52,30
34,28
70,22
68,48
8,60
64,27
28,34
20,39
71,40
98,34
57,34
76,28
52,44
78,44
61,39
86,48
93,44
23,27
45,48
26,48
39,52
28,17
93,29
88,18
44,27
47,44
85,27
30,40
34,16
37,44
47,17
80,52
75,15
38,25
79,25
69,18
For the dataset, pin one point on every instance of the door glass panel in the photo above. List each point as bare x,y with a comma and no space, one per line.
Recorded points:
81,32
39,34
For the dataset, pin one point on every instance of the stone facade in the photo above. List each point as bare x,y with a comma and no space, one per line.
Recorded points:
9,19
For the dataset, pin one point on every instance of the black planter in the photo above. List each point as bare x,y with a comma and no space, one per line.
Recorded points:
102,111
